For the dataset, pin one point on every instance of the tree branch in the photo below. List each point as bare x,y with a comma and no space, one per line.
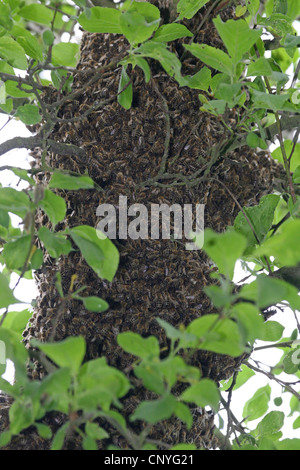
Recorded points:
36,141
287,123
20,80
19,143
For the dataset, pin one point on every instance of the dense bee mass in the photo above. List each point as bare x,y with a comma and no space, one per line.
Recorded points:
124,155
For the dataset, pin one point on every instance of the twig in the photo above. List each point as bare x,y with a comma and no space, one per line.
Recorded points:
295,141
295,77
20,80
272,377
35,141
286,344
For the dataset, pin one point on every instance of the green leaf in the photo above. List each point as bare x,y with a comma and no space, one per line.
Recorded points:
143,64
258,404
43,430
260,66
5,18
99,252
5,438
278,401
62,80
220,336
288,444
243,376
101,20
280,6
94,431
70,182
171,332
254,141
125,98
296,175
23,174
14,349
240,10
48,37
37,13
29,114
13,90
277,22
36,259
290,366
4,218
135,344
266,291
174,369
56,387
94,304
97,378
284,246
152,376
289,146
293,9
183,447
139,21
200,81
215,107
249,319
67,353
54,206
296,423
168,60
290,41
21,415
272,331
29,42
220,296
270,424
224,249
11,51
171,32
188,8
6,295
215,58
55,244
16,252
156,410
16,321
183,412
202,325
89,444
66,54
268,101
204,393
59,438
237,37
261,219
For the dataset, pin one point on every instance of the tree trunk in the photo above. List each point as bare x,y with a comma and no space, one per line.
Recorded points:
156,278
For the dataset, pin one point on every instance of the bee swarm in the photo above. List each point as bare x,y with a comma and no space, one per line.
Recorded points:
124,151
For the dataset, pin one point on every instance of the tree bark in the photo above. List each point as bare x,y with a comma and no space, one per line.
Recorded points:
156,278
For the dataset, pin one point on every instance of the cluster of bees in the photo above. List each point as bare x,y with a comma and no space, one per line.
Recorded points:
156,278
